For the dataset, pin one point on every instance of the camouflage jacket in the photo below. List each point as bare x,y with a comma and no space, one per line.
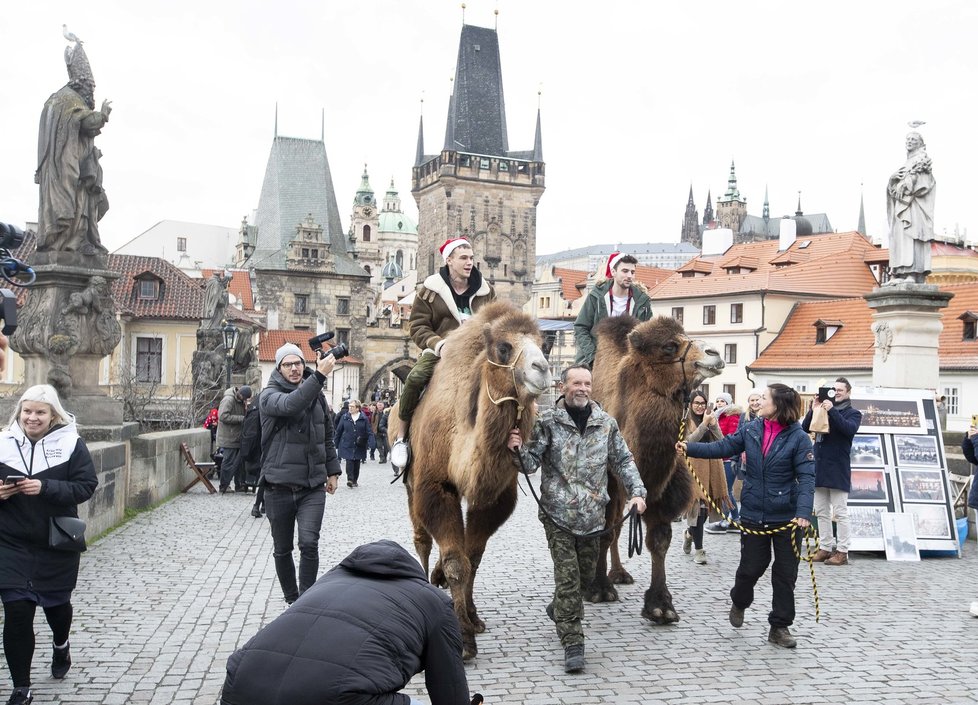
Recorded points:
574,484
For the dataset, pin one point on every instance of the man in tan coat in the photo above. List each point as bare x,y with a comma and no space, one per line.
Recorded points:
442,303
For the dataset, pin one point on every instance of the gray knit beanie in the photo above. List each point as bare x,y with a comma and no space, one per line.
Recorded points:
287,349
726,397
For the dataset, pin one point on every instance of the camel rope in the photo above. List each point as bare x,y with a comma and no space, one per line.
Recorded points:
512,368
808,532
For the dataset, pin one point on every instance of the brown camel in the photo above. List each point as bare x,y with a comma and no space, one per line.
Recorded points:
492,370
643,373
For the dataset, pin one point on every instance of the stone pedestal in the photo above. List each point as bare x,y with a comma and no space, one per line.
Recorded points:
907,325
65,329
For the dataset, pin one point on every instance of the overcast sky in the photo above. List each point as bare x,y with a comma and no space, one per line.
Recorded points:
640,100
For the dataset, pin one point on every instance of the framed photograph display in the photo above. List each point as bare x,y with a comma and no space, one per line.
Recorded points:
891,415
869,486
866,528
917,450
922,486
931,521
867,451
900,537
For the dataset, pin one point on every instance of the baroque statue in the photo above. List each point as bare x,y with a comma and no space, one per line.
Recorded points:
72,200
910,197
216,299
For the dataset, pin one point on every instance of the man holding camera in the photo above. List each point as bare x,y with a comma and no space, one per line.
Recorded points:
833,471
299,463
445,301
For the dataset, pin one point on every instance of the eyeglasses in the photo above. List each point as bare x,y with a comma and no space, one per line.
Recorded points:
293,365
698,403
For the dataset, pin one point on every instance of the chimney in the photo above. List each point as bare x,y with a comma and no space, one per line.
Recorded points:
717,241
787,235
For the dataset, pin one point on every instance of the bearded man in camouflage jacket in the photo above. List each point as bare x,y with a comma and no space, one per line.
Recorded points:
577,444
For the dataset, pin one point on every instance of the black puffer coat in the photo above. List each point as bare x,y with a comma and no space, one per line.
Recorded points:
296,436
356,637
61,461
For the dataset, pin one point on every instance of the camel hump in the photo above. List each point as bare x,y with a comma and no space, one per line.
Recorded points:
614,330
506,316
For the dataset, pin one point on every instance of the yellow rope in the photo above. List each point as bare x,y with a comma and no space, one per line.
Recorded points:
808,532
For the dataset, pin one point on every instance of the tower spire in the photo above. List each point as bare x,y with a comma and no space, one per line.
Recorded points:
419,156
766,213
538,137
862,213
798,210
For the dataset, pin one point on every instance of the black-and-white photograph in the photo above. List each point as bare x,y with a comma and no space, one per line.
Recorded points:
930,520
891,415
864,522
917,450
922,486
869,486
900,537
867,451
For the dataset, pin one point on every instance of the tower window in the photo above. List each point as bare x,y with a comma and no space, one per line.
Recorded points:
301,303
366,233
342,307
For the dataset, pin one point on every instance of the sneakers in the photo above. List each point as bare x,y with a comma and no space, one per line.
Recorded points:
736,617
700,556
687,542
256,512
21,696
349,483
974,609
782,637
838,558
400,453
61,662
820,555
574,658
719,527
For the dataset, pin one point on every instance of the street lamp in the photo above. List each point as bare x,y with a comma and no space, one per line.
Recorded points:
230,339
349,393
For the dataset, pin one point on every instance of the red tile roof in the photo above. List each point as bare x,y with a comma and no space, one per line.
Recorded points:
651,277
573,282
271,340
852,346
180,297
833,264
240,286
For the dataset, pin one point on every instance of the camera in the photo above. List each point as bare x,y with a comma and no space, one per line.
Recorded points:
825,393
337,351
12,269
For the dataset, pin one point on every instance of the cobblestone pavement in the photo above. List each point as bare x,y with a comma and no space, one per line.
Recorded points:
164,600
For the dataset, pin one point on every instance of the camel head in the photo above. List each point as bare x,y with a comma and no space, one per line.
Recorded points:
659,350
517,366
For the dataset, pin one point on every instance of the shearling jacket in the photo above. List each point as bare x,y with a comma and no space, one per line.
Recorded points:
595,308
778,486
574,484
61,461
434,313
296,435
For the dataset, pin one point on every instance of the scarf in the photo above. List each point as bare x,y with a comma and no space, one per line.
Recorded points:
771,430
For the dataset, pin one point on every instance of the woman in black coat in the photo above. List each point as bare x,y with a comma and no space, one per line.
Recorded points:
47,472
353,436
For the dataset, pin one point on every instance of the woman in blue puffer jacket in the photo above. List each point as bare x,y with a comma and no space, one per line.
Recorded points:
779,488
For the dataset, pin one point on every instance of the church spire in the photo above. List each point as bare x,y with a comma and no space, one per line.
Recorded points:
732,194
798,210
766,212
538,141
477,111
708,211
861,228
419,156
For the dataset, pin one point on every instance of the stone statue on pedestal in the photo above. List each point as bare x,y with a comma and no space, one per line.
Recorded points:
216,300
68,172
910,212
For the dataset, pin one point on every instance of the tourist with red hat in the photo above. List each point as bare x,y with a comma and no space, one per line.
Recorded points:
442,303
617,294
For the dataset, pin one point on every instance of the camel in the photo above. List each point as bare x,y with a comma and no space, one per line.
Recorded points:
492,370
643,374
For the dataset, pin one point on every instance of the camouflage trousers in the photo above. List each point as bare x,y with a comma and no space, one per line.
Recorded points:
575,559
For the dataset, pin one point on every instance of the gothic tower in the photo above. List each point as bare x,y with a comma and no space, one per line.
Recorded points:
691,226
364,233
732,208
476,187
708,211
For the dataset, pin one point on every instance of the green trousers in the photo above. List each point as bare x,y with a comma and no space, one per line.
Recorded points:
414,386
575,560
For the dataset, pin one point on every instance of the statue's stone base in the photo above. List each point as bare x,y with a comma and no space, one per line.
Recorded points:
907,325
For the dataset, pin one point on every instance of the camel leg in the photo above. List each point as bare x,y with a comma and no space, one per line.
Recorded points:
480,524
601,588
658,600
616,491
440,513
422,539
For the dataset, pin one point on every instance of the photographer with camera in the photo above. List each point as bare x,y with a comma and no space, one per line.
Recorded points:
299,463
833,470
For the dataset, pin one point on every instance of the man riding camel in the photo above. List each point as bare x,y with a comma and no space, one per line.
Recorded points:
617,295
442,303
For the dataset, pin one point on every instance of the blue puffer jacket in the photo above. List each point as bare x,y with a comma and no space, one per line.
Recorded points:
778,487
832,465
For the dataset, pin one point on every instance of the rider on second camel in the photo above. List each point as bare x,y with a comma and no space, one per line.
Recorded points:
442,303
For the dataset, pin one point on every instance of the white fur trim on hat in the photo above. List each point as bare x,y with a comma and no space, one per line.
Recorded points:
449,246
287,349
613,259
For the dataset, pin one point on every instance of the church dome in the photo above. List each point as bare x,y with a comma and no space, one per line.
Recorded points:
803,226
391,270
395,222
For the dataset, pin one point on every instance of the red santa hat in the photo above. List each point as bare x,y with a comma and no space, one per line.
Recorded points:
449,246
613,259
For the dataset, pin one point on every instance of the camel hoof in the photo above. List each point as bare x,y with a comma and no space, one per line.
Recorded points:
438,578
654,615
670,616
602,593
620,576
469,650
478,626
